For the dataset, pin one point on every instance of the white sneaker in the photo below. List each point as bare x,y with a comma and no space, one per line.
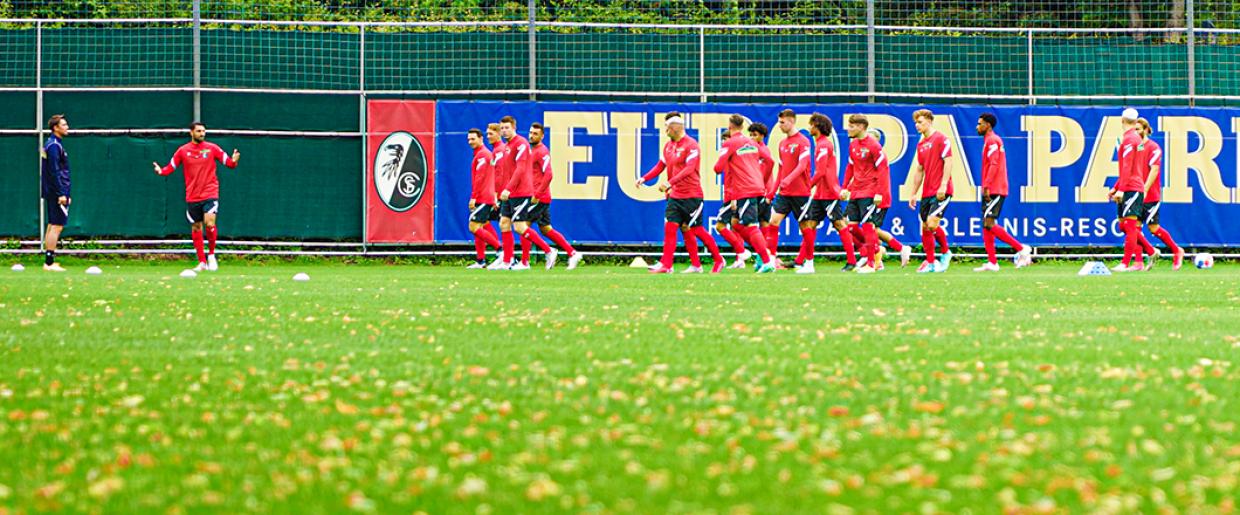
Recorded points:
865,270
744,256
906,253
1023,258
862,261
1120,268
927,267
202,267
987,267
806,268
54,267
739,263
945,261
477,266
574,260
692,270
212,264
519,267
499,264
551,257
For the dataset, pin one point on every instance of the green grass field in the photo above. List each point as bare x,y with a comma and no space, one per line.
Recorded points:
416,388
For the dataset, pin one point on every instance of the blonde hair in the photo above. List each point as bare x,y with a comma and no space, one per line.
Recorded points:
1145,126
923,113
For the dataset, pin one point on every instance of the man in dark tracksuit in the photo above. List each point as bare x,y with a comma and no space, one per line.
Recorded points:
55,179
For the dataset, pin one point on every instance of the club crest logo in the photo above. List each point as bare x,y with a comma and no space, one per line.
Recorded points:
401,173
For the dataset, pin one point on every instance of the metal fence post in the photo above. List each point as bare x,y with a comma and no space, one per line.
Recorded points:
198,60
38,122
1032,100
533,37
869,49
702,63
361,125
1192,55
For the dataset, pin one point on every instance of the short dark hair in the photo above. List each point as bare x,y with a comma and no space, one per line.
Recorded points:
859,119
823,123
194,125
736,120
759,128
536,125
509,119
671,115
475,131
54,121
990,119
787,113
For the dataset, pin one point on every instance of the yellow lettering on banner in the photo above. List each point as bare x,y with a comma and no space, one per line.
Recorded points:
561,125
894,140
709,127
628,127
1178,160
1042,160
1101,166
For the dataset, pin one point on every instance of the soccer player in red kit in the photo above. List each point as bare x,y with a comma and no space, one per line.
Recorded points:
202,188
1128,191
865,156
932,175
681,159
1151,168
518,194
541,216
792,183
758,133
994,192
503,171
825,200
481,198
740,159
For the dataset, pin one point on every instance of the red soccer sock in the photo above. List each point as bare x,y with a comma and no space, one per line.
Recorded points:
1165,236
1003,236
850,253
738,246
508,243
537,240
988,238
197,234
771,234
757,242
895,244
480,247
808,235
525,250
691,246
1145,244
927,243
212,231
560,241
486,238
871,243
941,236
1132,247
701,234
669,243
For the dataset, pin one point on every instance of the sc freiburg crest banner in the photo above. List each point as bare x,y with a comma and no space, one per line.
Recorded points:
400,178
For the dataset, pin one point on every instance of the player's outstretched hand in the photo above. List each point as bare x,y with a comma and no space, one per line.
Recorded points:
640,184
844,194
912,203
156,165
236,155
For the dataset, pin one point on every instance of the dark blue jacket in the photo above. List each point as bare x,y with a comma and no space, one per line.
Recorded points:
55,164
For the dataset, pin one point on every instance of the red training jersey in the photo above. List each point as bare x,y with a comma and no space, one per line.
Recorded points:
884,184
794,167
502,166
1129,173
1151,162
827,174
994,166
542,173
682,160
861,175
199,160
740,158
932,154
521,184
483,183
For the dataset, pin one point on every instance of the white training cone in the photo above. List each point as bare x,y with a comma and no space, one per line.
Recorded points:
301,276
94,270
1094,268
189,274
18,267
638,262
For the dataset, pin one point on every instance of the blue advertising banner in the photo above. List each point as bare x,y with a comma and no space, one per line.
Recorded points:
1061,164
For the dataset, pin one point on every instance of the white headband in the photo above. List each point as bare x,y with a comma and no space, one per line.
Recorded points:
674,119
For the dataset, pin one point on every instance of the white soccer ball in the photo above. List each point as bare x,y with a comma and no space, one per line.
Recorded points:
189,274
94,270
301,276
1203,261
18,267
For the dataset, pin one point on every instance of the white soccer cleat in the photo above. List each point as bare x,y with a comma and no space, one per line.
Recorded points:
660,269
927,267
202,267
551,257
987,267
476,265
906,253
738,264
574,260
806,268
945,261
499,264
1023,258
54,267
744,256
212,264
692,270
862,261
519,267
866,270
1121,268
